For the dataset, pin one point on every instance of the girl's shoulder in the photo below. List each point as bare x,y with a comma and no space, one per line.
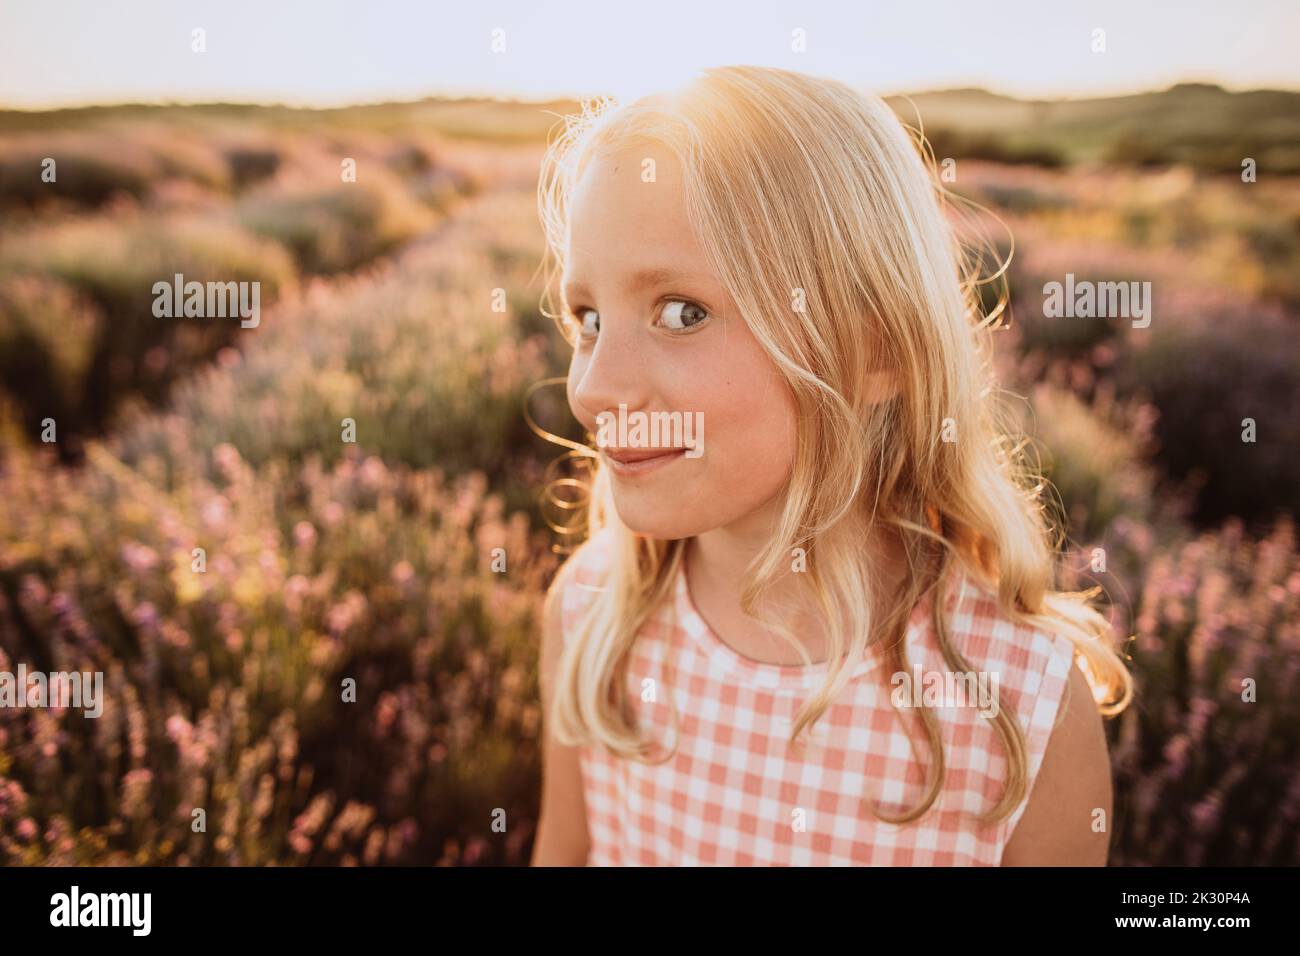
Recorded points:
986,634
588,564
584,573
1026,667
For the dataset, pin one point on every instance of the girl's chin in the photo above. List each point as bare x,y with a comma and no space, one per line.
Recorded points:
664,521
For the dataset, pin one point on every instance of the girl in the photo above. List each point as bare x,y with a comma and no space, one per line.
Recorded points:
823,629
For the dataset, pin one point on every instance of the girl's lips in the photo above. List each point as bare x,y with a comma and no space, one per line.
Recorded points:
628,462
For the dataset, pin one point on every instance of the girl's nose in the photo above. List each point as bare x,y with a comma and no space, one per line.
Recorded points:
616,374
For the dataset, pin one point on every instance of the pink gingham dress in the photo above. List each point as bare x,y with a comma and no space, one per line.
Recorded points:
734,795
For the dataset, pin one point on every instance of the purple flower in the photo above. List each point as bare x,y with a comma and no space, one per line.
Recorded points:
146,615
304,534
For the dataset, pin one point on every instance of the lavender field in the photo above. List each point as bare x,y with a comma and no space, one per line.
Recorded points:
202,532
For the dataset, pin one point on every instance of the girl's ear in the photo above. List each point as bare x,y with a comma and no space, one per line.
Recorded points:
881,385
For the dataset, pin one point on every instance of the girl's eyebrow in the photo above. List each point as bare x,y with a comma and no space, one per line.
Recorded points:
641,279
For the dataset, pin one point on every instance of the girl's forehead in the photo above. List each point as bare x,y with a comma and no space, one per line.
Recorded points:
638,161
615,211
627,221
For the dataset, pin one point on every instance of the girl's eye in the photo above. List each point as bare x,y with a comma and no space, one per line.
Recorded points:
678,315
588,320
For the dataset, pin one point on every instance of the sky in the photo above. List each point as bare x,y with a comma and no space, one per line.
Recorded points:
331,52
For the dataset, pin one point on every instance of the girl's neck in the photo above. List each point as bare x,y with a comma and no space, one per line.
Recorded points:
717,567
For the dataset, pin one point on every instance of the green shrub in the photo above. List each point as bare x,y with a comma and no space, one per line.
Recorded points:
1097,469
47,336
1206,379
251,164
113,264
92,168
82,178
338,227
970,145
416,356
1064,336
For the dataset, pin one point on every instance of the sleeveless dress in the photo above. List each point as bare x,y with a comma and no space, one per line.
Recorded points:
736,794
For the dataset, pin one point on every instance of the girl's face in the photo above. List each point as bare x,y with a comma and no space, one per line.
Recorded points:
659,334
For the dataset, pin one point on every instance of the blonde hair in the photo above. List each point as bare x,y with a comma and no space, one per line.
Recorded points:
801,183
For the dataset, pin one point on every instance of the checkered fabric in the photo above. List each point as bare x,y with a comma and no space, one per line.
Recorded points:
737,794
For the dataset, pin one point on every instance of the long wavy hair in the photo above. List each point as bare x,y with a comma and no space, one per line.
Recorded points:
801,183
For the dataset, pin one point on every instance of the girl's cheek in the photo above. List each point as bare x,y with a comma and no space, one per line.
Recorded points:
759,423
